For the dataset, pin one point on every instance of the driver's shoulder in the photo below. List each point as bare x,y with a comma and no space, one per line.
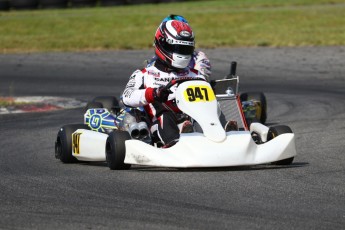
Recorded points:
140,72
195,73
152,71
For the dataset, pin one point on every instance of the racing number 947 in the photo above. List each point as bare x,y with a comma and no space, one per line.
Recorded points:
197,93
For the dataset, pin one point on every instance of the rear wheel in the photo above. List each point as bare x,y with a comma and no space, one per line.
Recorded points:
92,105
275,131
63,144
116,150
109,102
260,97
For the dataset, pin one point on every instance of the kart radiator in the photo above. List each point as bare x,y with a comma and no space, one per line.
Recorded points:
231,109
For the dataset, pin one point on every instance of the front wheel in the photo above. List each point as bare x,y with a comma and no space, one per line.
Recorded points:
63,144
116,150
275,131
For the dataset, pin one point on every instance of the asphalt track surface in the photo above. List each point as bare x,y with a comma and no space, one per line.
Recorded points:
305,89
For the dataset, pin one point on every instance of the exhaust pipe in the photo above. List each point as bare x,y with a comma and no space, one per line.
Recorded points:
143,130
133,130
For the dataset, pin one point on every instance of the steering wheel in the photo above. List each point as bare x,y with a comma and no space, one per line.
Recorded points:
181,80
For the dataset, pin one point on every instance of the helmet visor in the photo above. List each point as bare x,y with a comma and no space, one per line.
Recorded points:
175,17
180,49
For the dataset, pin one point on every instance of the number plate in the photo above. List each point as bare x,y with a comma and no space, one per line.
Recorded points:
199,93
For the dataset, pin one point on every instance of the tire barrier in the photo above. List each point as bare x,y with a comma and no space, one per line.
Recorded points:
4,5
48,4
141,1
24,4
112,2
52,4
83,3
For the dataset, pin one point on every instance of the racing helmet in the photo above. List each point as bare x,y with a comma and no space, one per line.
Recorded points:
174,43
175,17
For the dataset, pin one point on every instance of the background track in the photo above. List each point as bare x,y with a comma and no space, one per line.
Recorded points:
305,89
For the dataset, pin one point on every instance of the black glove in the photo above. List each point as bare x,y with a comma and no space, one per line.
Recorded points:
161,94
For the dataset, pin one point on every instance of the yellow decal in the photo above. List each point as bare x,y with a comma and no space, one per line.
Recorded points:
199,93
76,142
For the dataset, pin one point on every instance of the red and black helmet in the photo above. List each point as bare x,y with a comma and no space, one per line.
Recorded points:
174,43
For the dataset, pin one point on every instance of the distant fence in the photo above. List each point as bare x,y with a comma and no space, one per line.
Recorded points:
51,4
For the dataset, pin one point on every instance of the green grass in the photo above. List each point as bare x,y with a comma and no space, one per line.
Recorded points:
8,101
234,23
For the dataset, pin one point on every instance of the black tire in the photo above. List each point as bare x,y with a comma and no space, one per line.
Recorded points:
275,131
116,150
165,1
83,3
4,5
53,4
63,144
258,96
108,102
24,4
112,2
93,105
141,1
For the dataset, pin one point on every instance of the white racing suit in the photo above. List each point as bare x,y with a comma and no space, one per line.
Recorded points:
164,116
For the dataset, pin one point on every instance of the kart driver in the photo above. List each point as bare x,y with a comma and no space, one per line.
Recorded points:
174,47
199,60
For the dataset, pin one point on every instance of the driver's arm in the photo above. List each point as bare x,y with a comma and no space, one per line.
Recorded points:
134,93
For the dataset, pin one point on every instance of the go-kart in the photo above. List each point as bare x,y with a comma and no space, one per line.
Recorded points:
124,140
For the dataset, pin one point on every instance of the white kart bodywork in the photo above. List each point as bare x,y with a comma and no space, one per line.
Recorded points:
194,150
212,148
